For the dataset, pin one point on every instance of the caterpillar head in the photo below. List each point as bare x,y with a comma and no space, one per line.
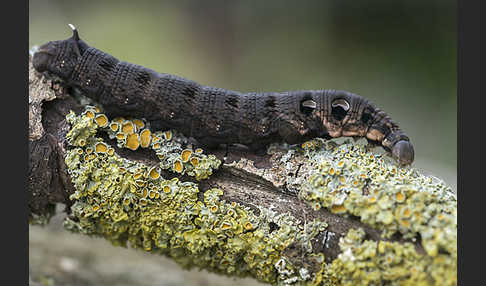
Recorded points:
347,114
60,57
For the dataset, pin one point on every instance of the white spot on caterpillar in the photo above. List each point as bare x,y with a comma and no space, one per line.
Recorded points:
72,27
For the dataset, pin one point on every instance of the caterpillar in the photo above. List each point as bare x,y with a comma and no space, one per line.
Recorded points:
215,116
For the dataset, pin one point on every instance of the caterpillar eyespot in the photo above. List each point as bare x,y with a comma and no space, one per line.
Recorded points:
216,116
341,103
310,104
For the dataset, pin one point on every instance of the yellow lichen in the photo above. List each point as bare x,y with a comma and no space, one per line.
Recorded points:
178,167
168,135
154,174
332,171
145,138
101,120
101,147
128,127
169,217
152,194
194,161
226,225
391,198
139,123
166,189
132,141
89,113
196,228
89,157
400,197
121,136
367,262
185,155
114,126
119,120
129,136
338,209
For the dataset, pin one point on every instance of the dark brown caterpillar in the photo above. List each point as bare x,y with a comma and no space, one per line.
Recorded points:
216,116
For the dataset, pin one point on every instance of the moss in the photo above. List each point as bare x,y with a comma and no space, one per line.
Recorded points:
351,180
129,203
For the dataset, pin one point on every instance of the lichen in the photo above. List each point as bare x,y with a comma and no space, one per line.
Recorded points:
367,262
132,133
130,203
351,180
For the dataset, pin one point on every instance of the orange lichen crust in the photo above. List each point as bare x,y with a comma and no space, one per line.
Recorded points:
185,155
101,147
101,120
135,133
145,137
154,173
133,141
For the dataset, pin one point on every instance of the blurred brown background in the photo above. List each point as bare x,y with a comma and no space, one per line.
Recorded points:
399,54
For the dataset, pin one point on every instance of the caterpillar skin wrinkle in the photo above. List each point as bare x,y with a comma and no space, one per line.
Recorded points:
216,116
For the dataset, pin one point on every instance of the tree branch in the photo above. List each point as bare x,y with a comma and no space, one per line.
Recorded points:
294,215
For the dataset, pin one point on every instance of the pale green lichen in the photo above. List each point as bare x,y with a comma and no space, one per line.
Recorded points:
367,262
126,203
129,202
349,179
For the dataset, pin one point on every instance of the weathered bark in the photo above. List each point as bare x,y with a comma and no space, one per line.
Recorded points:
251,180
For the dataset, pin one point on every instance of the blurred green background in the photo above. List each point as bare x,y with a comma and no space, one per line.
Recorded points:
399,54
